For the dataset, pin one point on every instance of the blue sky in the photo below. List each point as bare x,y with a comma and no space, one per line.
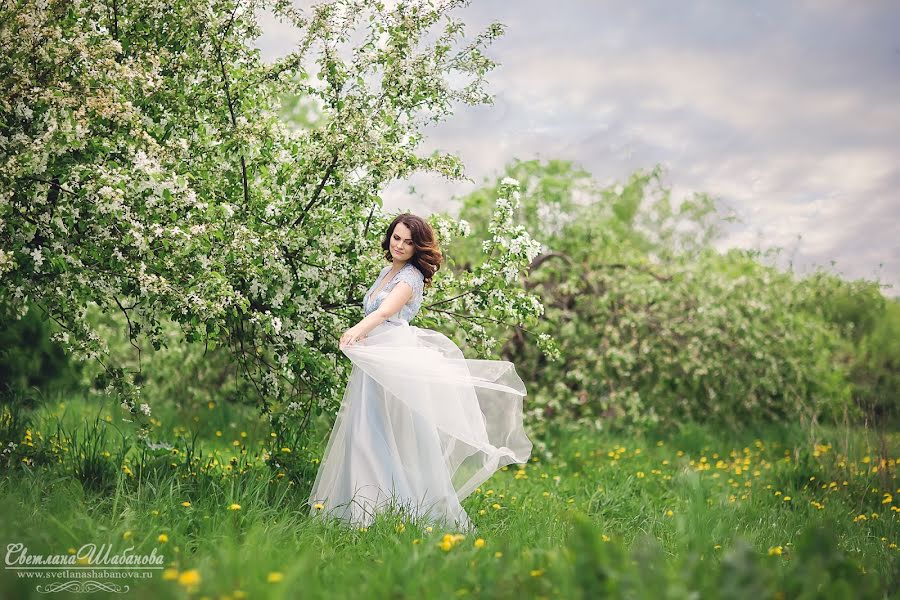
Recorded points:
787,112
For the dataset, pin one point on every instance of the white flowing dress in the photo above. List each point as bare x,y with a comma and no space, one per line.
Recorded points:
420,426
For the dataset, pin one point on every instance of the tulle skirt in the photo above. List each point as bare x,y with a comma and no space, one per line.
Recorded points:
419,428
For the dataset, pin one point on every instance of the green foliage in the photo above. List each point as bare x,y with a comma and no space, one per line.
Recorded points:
30,361
657,327
870,324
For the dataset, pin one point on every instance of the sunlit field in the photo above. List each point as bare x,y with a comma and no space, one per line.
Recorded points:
763,513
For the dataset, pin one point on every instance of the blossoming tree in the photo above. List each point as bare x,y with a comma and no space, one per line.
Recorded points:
144,168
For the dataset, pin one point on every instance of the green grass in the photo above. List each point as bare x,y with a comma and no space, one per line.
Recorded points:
770,512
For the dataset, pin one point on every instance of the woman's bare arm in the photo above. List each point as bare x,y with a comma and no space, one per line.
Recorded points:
390,306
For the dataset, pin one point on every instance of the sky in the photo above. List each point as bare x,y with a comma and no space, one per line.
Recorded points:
788,113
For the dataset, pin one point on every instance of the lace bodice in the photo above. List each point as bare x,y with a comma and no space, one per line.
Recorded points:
408,273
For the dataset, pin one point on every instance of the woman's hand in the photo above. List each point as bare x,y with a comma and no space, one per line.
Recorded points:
351,336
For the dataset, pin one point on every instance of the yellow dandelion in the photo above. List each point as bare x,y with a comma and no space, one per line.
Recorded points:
496,506
669,513
537,572
126,535
787,498
170,574
775,551
275,577
234,506
498,554
185,503
479,543
163,538
318,506
189,578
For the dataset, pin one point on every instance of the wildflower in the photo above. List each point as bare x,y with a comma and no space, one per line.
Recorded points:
126,535
669,513
479,543
449,540
787,498
163,538
189,578
496,506
185,503
234,506
537,572
318,506
275,577
775,551
170,574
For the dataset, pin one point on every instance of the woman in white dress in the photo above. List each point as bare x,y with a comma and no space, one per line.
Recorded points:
420,426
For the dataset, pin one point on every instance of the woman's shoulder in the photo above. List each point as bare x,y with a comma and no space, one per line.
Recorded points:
414,270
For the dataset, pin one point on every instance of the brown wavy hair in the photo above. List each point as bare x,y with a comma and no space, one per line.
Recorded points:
427,256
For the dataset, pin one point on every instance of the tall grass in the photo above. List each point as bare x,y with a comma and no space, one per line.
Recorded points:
767,512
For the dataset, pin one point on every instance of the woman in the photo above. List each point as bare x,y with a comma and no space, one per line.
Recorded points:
420,426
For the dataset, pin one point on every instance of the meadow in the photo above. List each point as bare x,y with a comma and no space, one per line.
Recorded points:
768,512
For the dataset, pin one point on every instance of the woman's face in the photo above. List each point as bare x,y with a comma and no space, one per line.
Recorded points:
401,243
